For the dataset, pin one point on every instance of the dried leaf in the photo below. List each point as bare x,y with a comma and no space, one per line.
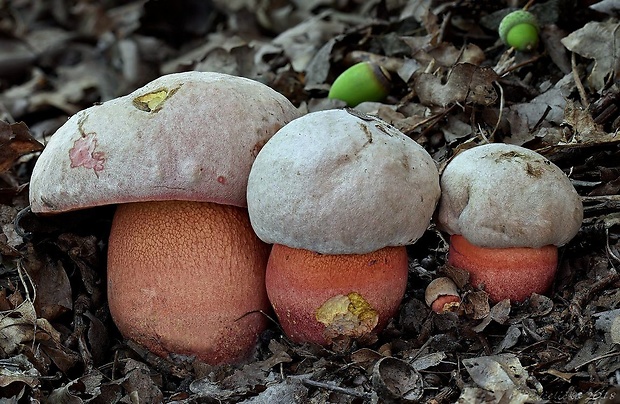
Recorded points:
590,351
85,388
599,41
54,295
466,83
500,373
541,305
15,141
586,130
21,329
395,379
288,391
428,361
139,383
18,369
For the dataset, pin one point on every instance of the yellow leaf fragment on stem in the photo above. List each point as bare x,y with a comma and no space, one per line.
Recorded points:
347,315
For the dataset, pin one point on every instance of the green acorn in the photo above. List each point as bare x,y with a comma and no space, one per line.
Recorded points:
361,82
519,29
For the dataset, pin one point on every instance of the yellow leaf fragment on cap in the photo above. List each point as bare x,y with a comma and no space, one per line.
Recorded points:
349,315
152,101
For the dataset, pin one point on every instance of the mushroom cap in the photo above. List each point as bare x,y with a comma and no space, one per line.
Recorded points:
340,182
184,136
500,195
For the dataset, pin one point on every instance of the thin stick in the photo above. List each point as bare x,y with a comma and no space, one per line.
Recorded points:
578,83
333,387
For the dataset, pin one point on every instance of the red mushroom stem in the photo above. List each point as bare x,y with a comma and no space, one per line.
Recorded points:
199,255
506,273
446,303
299,282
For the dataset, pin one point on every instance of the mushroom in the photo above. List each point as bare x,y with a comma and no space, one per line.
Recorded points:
442,295
185,269
507,209
339,194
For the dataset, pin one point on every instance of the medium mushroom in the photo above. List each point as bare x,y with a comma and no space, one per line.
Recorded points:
339,194
507,209
185,270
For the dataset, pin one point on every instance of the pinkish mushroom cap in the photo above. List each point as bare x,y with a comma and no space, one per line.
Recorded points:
337,182
185,136
500,196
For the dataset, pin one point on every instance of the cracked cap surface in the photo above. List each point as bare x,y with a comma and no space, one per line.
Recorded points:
184,136
500,195
340,182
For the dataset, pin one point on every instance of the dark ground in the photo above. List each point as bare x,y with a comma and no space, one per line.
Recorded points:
57,342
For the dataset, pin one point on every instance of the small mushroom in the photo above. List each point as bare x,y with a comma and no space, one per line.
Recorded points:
442,295
340,194
507,209
185,269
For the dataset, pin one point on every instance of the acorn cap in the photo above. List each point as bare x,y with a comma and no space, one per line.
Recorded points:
500,195
186,136
341,182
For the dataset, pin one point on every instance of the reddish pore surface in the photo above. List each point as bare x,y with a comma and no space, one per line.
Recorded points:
299,282
183,276
506,273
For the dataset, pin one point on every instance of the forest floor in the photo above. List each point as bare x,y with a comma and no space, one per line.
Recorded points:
454,85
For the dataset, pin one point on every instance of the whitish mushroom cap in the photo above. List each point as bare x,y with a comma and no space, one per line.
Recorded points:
501,195
336,182
184,136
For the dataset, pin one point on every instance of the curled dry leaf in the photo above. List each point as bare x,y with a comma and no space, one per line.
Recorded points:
466,83
20,329
77,391
15,141
395,379
599,41
53,287
541,305
18,369
586,130
501,373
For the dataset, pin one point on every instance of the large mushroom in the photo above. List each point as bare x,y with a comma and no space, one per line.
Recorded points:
507,209
185,270
339,194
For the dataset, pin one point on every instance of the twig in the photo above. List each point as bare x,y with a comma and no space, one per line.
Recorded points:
520,65
528,5
609,250
582,91
542,118
609,354
334,388
17,226
501,110
580,299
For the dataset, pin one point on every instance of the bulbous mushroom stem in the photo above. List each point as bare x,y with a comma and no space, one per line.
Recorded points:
506,273
318,297
183,276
